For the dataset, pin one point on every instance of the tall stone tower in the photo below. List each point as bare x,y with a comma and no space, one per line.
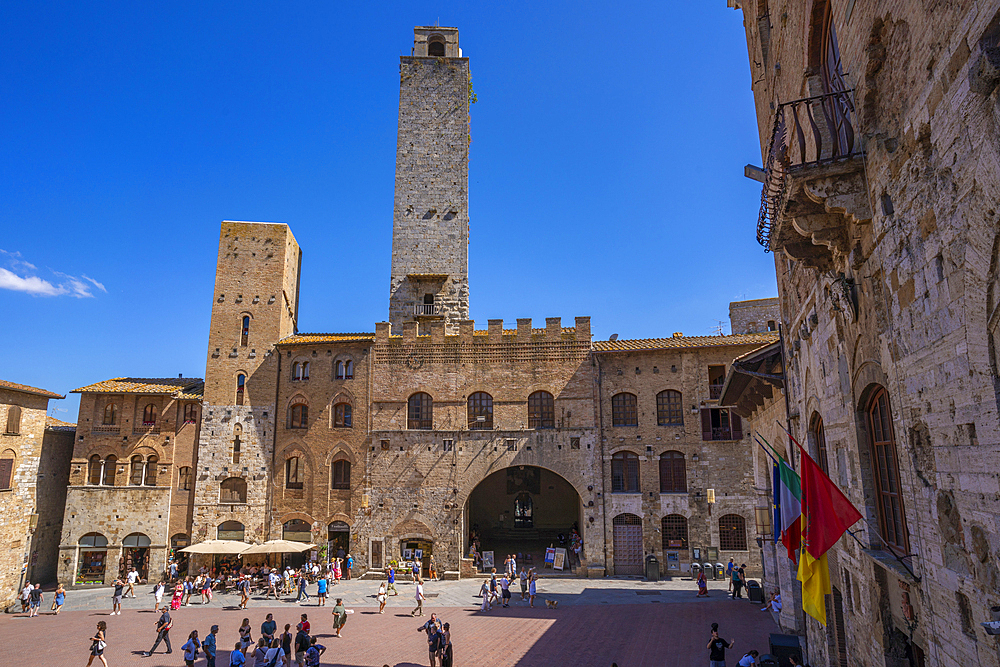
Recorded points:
430,227
255,304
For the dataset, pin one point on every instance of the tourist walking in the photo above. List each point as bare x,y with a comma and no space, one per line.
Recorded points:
25,595
484,593
392,581
419,597
131,579
60,598
158,595
315,651
272,586
302,588
301,646
321,584
34,600
244,588
99,644
415,570
717,648
116,596
336,570
524,584
432,568
209,646
188,590
339,616
163,626
505,591
381,597
190,648
532,589
178,597
702,586
729,573
206,589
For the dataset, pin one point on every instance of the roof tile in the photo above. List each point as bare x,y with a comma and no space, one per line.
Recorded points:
680,342
145,386
26,389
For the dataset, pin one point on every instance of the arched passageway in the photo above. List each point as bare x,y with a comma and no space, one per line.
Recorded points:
522,510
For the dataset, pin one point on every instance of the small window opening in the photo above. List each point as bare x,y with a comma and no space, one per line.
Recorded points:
435,47
716,378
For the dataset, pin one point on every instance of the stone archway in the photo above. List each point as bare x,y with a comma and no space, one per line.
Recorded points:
522,510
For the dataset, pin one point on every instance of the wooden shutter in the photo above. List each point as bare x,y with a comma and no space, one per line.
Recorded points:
706,423
737,425
6,472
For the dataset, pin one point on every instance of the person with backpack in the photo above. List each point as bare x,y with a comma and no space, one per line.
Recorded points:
190,649
301,646
244,588
275,655
236,657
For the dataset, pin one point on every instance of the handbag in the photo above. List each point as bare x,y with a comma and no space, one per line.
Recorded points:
101,645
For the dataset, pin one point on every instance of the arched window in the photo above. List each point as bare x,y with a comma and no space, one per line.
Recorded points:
149,415
420,411
184,478
294,473
94,470
13,420
673,476
623,410
298,415
190,413
668,408
338,370
732,533
231,530
93,540
152,464
296,530
233,491
135,540
675,531
480,411
885,472
110,470
340,474
348,370
241,382
237,443
245,331
6,469
541,410
305,370
110,415
435,46
819,439
135,475
625,472
342,415
296,371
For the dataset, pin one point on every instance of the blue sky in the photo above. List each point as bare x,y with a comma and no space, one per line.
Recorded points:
606,173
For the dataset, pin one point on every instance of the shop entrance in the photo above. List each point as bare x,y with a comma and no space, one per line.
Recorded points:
135,553
523,510
415,550
93,559
338,535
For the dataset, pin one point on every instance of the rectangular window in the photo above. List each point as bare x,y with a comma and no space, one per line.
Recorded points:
13,420
720,424
448,445
574,443
716,378
511,445
6,473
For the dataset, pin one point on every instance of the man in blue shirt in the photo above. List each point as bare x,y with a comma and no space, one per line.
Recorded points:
392,582
208,646
321,591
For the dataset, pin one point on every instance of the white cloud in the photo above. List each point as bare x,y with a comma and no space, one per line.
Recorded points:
20,277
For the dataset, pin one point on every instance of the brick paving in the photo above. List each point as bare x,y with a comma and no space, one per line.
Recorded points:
597,623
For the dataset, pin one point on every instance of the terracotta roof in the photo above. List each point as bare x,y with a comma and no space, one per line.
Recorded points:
298,339
193,393
53,423
684,342
142,386
25,389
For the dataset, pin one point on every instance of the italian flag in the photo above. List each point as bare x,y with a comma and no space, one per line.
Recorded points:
790,494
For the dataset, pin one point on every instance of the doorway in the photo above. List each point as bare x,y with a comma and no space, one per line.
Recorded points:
338,535
135,553
627,537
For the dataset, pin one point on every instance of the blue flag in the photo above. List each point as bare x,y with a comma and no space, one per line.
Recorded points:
776,485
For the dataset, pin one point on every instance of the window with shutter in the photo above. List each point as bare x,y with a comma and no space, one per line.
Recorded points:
13,420
6,473
673,476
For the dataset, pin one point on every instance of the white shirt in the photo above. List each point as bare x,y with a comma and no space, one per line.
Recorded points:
420,592
26,592
746,661
271,653
132,576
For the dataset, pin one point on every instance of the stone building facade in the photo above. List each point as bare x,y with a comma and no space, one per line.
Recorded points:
131,489
51,483
23,445
754,316
428,430
882,216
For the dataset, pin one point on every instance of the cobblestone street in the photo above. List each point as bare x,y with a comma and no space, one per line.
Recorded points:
597,622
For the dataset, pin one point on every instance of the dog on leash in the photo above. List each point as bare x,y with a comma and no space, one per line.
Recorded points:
552,604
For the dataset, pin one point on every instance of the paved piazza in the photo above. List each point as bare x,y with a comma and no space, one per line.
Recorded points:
597,622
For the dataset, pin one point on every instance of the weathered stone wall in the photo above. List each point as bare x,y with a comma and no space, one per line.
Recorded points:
430,214
913,310
754,316
17,504
52,481
725,466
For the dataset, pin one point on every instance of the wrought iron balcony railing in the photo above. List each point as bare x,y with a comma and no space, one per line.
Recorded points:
809,132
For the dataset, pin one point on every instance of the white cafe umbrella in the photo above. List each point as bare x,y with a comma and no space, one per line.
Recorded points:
278,547
223,547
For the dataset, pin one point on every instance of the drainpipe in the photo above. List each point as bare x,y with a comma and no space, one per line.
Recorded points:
604,495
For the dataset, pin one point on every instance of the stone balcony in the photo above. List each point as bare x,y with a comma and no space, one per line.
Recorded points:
814,189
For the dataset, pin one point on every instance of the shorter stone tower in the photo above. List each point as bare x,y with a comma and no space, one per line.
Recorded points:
430,233
255,304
